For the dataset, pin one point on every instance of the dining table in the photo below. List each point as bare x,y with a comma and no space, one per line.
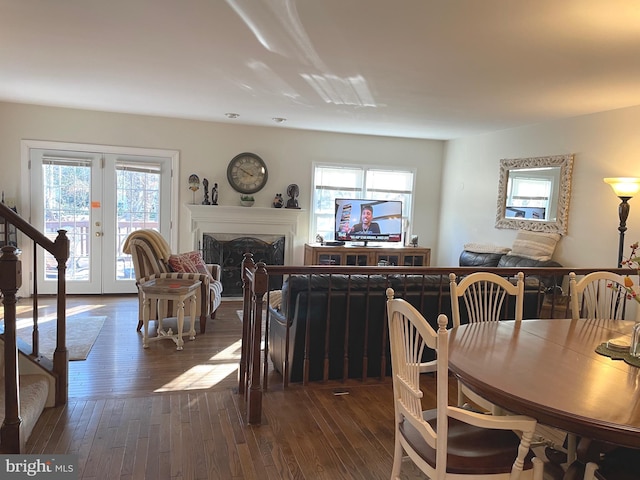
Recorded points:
549,369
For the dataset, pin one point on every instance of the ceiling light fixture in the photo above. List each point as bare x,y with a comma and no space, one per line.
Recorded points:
232,115
279,119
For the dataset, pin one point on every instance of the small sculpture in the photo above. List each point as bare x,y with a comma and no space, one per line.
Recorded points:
205,184
194,185
293,191
278,201
214,194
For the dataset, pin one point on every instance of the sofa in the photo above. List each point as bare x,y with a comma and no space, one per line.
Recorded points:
345,316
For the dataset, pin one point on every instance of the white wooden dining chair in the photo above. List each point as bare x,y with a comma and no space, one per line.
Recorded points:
484,296
597,295
448,442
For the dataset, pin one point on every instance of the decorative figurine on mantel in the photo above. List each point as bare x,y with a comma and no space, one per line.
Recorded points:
214,194
278,201
194,185
293,191
205,184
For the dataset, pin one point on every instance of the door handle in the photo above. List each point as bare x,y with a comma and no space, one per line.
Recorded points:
99,234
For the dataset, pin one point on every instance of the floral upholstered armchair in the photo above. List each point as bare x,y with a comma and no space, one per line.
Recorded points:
152,258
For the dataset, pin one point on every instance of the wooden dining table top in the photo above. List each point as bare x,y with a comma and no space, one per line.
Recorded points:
549,369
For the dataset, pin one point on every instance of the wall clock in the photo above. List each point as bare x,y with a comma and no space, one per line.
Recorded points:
247,173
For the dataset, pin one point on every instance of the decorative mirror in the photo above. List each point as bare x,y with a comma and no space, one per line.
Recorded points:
533,193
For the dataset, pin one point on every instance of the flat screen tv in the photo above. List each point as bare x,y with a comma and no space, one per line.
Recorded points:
368,220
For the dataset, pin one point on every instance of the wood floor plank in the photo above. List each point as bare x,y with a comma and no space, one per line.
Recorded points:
130,447
217,449
152,466
141,458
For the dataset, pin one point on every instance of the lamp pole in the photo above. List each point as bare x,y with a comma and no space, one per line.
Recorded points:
623,213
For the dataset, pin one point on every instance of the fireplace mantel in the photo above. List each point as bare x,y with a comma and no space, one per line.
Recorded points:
245,221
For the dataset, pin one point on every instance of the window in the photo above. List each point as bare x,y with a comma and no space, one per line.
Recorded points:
336,181
528,194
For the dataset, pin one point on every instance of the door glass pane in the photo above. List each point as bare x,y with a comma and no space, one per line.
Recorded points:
138,201
67,188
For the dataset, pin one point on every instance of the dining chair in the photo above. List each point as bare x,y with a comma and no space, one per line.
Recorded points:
448,442
598,295
484,296
619,463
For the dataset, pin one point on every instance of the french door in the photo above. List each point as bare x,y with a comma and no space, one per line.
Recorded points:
98,199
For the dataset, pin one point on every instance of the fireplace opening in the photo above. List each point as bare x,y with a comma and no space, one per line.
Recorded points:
228,252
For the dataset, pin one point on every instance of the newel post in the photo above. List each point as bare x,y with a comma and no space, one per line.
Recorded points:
10,282
248,267
254,395
61,354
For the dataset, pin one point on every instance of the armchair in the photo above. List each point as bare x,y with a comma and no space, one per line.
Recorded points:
151,254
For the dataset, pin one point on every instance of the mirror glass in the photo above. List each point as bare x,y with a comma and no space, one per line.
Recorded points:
533,193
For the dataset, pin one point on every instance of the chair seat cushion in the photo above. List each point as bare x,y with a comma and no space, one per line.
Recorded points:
470,449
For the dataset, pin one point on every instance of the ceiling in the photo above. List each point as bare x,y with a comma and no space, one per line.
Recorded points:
437,69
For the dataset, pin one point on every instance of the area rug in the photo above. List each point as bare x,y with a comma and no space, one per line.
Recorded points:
82,332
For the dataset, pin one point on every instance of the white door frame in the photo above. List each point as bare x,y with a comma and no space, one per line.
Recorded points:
27,195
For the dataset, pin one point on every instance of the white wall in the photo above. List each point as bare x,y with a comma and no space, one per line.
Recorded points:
605,145
206,149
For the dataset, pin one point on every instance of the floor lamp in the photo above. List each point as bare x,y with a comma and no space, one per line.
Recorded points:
625,188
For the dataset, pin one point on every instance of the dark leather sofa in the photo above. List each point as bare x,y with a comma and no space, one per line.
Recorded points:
345,317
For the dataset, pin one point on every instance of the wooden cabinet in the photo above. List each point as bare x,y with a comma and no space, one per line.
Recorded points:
316,254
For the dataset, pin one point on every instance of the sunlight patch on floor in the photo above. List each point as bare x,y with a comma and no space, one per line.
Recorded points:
232,352
206,376
28,321
200,377
25,322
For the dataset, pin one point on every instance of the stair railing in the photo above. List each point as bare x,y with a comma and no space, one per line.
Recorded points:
10,282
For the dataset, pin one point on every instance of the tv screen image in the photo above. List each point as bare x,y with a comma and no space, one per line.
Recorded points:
368,220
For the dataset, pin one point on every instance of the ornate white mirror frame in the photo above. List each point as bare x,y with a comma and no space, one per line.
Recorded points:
555,217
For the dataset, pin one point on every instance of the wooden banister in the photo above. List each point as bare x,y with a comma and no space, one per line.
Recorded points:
10,282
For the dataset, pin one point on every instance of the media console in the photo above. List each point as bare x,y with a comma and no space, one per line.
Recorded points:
317,254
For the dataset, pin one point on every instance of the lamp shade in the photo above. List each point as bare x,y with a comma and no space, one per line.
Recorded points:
624,186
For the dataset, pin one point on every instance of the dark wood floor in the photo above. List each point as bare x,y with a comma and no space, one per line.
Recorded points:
165,414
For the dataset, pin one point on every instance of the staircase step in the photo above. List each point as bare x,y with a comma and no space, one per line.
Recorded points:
34,390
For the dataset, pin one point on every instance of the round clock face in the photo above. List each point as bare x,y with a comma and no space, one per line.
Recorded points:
247,173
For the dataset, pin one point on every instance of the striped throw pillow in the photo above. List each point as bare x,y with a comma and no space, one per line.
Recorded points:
535,245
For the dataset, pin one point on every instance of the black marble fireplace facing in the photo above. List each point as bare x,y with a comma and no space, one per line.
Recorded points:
230,253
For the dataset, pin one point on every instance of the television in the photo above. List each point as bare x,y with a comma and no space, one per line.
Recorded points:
368,220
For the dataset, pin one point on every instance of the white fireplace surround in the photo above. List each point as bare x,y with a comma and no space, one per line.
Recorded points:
235,221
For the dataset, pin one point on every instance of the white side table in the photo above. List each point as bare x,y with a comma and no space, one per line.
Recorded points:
167,289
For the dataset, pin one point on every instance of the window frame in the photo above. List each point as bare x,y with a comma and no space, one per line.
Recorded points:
360,191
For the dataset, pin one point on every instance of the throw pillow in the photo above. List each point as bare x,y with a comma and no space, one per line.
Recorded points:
535,245
189,262
485,248
275,299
